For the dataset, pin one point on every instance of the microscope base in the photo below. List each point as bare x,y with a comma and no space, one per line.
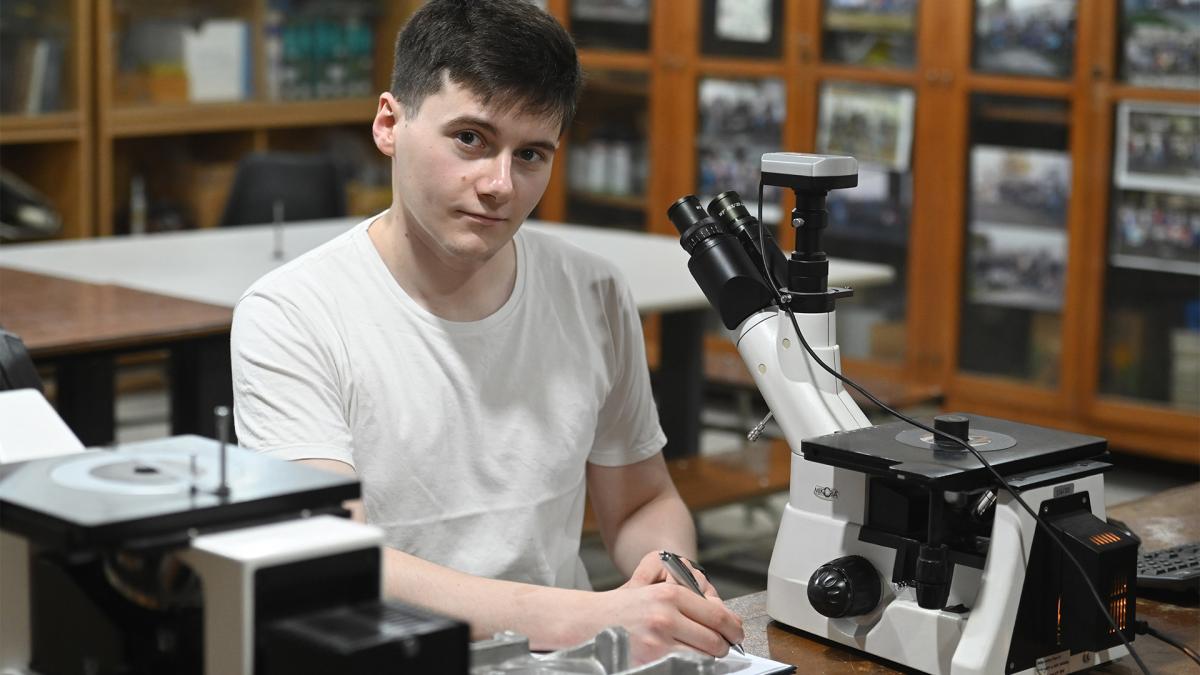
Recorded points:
973,641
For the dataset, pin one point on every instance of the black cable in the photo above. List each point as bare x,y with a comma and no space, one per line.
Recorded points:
1041,523
1143,628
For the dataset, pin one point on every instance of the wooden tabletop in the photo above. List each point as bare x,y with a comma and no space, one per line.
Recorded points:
56,317
1163,520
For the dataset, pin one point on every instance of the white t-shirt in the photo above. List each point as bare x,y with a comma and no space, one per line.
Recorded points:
470,438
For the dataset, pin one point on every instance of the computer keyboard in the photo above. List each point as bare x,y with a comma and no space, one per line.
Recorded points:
1173,569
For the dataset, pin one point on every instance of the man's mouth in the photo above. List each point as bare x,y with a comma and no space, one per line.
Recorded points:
483,217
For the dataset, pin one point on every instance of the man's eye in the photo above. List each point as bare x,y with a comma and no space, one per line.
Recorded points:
468,137
530,155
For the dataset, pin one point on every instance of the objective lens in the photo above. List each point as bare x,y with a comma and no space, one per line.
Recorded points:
694,225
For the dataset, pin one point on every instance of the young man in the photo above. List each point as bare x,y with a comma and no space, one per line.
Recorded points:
475,378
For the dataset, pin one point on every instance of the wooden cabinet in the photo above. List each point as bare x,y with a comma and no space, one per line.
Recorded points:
185,88
998,201
1046,270
45,96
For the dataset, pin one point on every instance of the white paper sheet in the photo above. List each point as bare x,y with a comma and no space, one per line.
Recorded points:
751,665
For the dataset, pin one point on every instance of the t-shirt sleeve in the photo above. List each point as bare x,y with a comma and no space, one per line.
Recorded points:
627,430
287,398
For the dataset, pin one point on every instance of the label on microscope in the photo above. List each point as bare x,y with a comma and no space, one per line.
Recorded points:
1055,664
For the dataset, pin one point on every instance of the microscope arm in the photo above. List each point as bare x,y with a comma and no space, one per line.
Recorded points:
806,400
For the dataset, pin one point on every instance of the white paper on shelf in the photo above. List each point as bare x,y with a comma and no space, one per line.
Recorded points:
216,56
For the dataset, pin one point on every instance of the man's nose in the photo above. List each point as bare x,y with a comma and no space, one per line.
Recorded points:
496,181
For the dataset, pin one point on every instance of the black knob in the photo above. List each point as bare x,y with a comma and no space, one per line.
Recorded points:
848,586
955,425
934,574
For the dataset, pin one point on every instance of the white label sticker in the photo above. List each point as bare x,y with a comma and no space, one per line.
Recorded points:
1055,664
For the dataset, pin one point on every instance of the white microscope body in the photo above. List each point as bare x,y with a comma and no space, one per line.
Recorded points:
971,631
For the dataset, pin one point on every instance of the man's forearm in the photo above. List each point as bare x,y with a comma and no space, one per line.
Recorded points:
661,523
552,618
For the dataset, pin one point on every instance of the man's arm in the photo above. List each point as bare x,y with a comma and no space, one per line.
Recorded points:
639,512
659,617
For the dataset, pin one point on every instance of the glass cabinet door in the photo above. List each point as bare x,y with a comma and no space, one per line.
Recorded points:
1034,38
870,34
1015,257
742,28
1160,43
874,124
1151,336
738,120
607,154
622,25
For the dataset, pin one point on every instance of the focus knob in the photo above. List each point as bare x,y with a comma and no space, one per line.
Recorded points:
848,586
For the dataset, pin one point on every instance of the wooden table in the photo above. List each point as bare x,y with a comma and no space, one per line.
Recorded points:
1163,520
77,327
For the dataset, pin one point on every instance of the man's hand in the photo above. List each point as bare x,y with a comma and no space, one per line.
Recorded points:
650,570
661,617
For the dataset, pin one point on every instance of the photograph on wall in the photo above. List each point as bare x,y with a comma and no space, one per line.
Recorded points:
872,34
742,28
1161,43
1158,147
1020,186
1025,37
1156,231
1017,235
876,210
1016,266
739,120
873,124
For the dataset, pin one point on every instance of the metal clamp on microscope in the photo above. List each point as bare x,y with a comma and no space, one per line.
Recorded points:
902,539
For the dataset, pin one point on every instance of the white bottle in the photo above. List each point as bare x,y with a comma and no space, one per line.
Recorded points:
137,205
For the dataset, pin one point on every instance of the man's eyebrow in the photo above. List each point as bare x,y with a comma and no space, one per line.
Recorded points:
481,123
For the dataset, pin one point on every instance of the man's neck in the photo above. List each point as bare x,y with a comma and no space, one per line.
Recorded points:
452,293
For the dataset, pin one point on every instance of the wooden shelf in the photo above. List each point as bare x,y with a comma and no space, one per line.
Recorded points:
614,60
185,119
45,128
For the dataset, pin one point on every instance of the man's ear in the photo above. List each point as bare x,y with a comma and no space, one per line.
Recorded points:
384,127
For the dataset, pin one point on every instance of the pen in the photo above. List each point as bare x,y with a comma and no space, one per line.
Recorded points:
679,572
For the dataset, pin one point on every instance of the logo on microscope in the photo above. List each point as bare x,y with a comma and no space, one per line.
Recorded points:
827,493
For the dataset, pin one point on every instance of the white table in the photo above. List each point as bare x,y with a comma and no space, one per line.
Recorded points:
216,266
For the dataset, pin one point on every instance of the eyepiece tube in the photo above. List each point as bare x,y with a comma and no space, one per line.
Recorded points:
730,280
729,210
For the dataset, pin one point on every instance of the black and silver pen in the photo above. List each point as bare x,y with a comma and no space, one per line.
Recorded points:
680,573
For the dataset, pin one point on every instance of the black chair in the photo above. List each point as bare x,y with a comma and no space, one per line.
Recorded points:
308,187
16,367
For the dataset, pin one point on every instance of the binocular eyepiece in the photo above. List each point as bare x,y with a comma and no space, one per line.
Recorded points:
726,260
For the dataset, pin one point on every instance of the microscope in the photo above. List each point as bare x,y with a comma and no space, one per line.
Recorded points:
896,539
185,556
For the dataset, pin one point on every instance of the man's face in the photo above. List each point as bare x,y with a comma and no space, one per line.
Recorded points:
466,177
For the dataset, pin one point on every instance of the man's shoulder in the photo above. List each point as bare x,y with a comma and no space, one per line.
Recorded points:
316,271
550,251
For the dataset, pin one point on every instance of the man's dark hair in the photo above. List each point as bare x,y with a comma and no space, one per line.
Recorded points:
509,53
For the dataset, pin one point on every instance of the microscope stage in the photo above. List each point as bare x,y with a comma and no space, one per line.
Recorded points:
156,491
903,451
